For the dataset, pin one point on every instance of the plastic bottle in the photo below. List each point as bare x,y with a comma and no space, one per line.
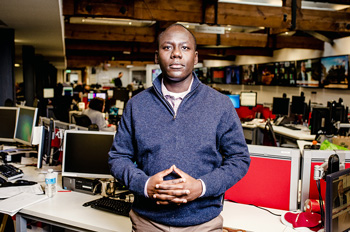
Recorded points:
50,183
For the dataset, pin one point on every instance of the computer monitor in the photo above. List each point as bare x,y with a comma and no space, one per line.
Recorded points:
48,93
298,105
337,213
272,179
320,121
101,95
155,73
45,145
280,106
85,154
91,95
248,99
67,91
235,99
8,122
25,124
311,158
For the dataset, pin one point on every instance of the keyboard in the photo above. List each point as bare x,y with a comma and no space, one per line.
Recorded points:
292,127
9,172
116,206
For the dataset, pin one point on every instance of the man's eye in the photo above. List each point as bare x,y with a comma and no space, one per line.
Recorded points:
185,48
167,47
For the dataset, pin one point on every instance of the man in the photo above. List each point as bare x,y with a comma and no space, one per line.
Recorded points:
117,81
178,157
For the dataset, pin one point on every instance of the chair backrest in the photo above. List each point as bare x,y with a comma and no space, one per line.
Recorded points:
82,120
269,135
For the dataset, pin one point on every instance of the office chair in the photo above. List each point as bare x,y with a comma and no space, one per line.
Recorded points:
82,120
269,135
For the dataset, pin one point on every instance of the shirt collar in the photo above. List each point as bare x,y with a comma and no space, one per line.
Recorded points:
181,95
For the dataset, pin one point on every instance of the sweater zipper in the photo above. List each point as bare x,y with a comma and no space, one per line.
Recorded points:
187,96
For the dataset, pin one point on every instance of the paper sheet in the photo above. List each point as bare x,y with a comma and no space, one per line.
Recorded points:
14,204
6,192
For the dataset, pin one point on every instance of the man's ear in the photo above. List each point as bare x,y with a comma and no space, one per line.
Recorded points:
156,57
196,58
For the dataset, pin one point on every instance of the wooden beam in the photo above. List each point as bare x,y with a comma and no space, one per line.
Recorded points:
109,33
296,42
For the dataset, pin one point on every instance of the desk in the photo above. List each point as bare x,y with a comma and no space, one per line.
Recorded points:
250,133
65,210
284,134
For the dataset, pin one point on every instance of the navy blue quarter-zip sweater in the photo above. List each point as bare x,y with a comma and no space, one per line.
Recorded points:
205,140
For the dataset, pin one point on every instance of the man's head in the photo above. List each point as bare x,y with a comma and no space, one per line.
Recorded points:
176,53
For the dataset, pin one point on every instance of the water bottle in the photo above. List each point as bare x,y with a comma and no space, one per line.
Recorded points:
50,183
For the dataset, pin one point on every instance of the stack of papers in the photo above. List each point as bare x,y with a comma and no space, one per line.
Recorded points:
19,197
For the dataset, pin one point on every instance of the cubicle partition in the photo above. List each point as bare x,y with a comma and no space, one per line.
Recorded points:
311,158
272,179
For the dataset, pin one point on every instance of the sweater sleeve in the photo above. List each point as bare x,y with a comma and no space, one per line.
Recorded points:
236,159
121,157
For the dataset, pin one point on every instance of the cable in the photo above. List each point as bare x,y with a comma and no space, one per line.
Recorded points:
321,201
278,215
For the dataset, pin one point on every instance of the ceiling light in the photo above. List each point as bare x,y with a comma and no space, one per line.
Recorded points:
110,21
126,52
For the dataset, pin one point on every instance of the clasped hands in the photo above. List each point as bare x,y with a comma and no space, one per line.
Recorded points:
176,191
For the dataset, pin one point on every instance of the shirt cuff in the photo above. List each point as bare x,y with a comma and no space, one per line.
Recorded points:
145,189
204,188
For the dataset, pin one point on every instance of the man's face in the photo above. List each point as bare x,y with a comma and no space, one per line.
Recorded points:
176,54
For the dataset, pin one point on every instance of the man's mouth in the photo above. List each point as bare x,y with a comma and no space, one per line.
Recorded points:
176,66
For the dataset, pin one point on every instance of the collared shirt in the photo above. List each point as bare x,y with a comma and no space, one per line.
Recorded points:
175,98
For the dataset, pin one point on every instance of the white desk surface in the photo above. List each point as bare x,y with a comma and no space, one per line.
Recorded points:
295,134
65,208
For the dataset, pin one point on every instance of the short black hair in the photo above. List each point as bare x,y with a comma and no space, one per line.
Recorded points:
178,24
97,104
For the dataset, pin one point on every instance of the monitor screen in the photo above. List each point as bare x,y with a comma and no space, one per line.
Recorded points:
67,91
8,122
155,73
338,201
298,105
320,121
110,93
101,95
309,72
85,154
280,106
235,100
44,147
25,124
336,71
91,96
48,92
248,99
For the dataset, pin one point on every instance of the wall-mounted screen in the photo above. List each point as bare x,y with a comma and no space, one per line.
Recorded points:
335,72
267,74
286,73
248,74
309,72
